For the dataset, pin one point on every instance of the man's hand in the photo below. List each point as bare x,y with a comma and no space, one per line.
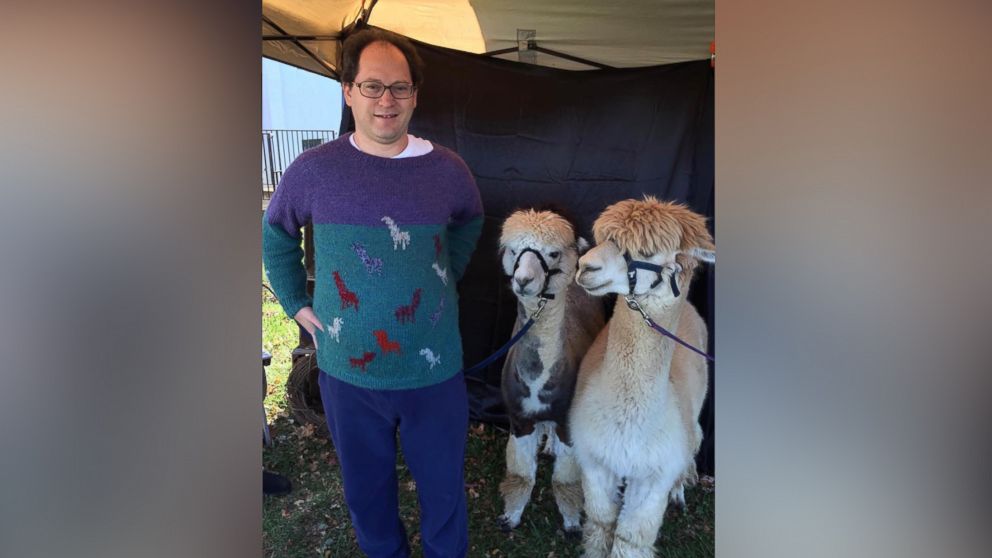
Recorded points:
306,318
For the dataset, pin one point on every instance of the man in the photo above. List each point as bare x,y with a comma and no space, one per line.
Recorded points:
395,220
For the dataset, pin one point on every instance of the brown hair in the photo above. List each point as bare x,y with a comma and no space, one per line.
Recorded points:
353,46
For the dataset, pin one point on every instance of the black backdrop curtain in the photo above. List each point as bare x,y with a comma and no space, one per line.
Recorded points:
579,140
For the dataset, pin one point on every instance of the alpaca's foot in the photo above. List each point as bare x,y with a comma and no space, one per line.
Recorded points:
568,496
623,548
515,490
506,523
597,539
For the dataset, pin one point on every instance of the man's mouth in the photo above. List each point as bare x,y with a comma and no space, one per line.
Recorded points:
386,116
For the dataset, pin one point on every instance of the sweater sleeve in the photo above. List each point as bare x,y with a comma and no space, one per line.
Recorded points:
282,250
466,224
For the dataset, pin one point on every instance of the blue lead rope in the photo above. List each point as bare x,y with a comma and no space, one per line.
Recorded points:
492,358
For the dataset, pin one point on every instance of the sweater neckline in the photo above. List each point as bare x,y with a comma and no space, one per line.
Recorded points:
388,162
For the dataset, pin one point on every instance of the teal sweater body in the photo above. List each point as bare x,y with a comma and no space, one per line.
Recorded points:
391,239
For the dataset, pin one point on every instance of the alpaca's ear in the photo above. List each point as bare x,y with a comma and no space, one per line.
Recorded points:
582,245
703,254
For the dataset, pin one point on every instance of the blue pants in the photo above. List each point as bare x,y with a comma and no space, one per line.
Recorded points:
433,426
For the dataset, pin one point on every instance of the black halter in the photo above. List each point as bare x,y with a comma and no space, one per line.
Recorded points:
548,272
632,267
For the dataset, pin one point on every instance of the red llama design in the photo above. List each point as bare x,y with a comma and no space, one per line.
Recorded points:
361,362
385,344
348,298
407,312
437,247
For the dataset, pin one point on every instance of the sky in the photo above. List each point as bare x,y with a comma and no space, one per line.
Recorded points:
294,99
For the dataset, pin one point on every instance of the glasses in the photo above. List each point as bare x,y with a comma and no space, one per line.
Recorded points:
375,89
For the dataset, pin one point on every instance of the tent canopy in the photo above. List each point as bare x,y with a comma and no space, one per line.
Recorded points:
553,33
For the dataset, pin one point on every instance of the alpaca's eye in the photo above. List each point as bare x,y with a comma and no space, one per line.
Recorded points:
513,252
555,254
645,254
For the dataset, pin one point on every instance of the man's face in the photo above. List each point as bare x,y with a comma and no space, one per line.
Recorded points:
383,120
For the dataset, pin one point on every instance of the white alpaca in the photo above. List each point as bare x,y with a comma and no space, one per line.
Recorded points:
441,272
400,238
335,330
431,358
539,253
636,409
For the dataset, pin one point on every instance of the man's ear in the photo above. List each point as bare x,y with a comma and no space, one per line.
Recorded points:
346,89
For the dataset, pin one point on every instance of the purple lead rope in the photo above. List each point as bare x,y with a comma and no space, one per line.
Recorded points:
667,333
633,305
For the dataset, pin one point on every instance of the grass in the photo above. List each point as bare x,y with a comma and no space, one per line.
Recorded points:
313,521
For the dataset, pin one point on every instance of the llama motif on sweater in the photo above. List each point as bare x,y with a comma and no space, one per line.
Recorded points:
417,218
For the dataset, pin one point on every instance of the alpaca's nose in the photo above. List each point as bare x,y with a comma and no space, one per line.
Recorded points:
523,281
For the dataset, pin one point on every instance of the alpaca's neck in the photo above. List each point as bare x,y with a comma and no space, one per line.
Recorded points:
639,354
549,326
552,318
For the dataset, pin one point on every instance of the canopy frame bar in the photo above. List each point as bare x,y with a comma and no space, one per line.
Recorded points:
532,45
296,41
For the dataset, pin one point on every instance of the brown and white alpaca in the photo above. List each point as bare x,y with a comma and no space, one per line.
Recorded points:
539,373
636,409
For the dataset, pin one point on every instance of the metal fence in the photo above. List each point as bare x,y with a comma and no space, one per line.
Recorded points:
281,147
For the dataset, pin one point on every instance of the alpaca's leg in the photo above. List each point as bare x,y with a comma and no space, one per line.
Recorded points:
567,485
677,495
644,503
602,503
521,470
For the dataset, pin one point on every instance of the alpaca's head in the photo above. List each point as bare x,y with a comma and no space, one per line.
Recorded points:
658,233
527,233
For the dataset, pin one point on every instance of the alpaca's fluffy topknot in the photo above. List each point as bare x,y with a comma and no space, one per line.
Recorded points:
544,228
650,226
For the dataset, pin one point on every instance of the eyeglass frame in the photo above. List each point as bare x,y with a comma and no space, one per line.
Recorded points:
413,89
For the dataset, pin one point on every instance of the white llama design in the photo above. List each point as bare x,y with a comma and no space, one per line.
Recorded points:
441,272
400,238
429,355
335,329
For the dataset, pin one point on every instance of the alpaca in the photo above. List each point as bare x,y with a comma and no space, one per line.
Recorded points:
335,330
637,402
436,314
385,345
348,298
442,273
408,311
400,238
367,357
432,359
373,266
539,251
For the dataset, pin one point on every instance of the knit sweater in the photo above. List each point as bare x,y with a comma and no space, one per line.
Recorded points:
391,239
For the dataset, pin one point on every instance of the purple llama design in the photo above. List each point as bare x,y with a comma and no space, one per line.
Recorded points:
436,315
372,265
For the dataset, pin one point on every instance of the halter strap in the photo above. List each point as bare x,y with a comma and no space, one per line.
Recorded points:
632,267
548,272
